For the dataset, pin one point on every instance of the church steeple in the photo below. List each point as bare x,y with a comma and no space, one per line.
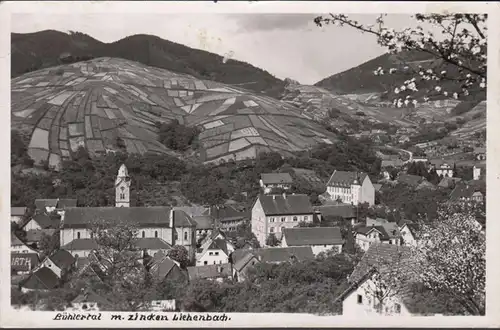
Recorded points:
122,188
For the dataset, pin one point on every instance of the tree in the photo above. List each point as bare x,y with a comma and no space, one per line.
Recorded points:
452,259
125,283
272,240
180,254
49,243
459,53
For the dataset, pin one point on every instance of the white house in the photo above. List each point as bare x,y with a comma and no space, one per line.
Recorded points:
377,231
42,221
272,213
442,168
270,181
408,234
478,171
89,301
215,251
320,239
351,187
60,262
217,272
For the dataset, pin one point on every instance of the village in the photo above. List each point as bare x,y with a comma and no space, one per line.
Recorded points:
189,243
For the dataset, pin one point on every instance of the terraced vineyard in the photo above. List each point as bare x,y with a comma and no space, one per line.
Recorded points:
106,104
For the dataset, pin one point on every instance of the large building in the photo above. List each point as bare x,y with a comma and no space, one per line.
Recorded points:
158,228
351,187
272,213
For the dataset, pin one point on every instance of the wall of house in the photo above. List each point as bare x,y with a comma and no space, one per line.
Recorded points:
22,248
32,225
259,225
476,173
351,306
69,234
202,232
407,236
16,218
186,236
343,193
48,263
364,241
80,253
151,232
276,223
211,257
367,192
317,249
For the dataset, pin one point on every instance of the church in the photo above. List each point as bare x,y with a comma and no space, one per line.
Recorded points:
159,227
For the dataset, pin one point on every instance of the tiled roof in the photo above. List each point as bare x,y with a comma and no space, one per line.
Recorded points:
158,216
219,244
80,244
203,221
276,178
161,265
210,271
41,204
23,261
345,178
18,211
227,213
410,179
42,279
279,254
152,243
286,204
345,211
36,234
387,230
243,261
181,219
463,190
45,221
313,236
62,259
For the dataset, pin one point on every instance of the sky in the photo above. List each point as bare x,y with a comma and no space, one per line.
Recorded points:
285,45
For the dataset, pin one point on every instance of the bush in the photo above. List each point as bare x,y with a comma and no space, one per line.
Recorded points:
177,136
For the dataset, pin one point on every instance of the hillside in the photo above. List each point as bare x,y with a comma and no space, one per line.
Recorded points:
43,49
110,104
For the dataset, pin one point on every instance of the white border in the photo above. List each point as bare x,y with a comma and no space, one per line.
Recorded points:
10,317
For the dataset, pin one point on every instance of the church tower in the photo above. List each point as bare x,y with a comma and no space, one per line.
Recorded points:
122,188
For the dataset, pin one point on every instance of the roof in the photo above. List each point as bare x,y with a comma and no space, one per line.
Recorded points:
18,211
62,258
14,240
286,204
447,182
410,179
41,204
243,261
36,234
412,227
279,254
346,211
392,162
480,150
80,244
463,190
227,213
162,265
219,244
60,203
387,230
46,221
157,216
90,296
210,271
203,221
43,279
313,236
345,178
276,178
192,211
377,186
23,261
152,243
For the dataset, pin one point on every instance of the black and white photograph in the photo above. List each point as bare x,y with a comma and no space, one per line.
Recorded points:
201,164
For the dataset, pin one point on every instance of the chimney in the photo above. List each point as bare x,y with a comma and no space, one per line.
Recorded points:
274,196
171,218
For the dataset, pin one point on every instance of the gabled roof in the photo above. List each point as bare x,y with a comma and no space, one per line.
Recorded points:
192,211
62,259
227,213
346,211
45,221
161,265
243,261
23,261
203,222
387,230
280,254
43,279
463,190
81,244
36,235
412,227
210,271
219,244
286,204
152,243
18,211
157,216
304,236
59,203
345,178
276,178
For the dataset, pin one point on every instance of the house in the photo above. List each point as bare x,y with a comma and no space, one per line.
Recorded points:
242,262
162,305
204,225
89,301
270,181
17,214
479,172
23,263
442,168
165,269
18,246
152,245
217,252
375,231
320,239
42,221
272,213
60,262
217,272
51,205
346,212
448,182
404,297
410,179
351,187
465,192
408,234
43,279
228,217
33,237
480,153
80,247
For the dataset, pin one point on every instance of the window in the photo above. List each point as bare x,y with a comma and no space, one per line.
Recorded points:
282,228
143,234
205,262
271,230
271,219
397,308
210,253
78,235
91,235
283,219
122,196
185,235
306,218
216,253
295,219
360,299
156,233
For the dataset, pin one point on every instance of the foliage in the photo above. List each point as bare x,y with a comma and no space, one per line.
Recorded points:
452,257
180,254
458,55
176,136
49,243
18,150
17,230
271,240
